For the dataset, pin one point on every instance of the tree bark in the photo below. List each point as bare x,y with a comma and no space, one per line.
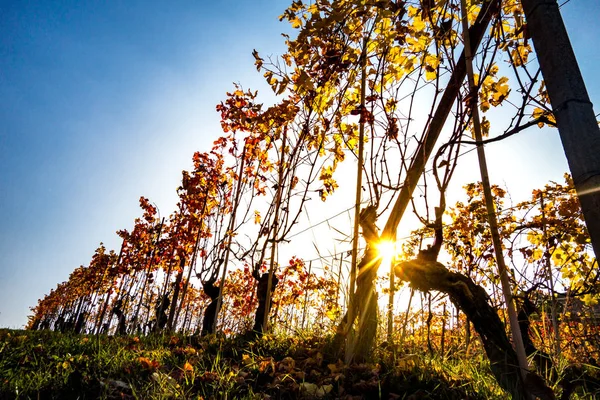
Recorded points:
261,294
489,204
473,300
365,298
176,290
209,320
571,105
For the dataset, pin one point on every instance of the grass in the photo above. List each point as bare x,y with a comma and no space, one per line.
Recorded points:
50,365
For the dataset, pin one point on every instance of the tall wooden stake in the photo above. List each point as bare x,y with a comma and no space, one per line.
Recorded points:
230,227
339,281
357,201
192,266
306,296
489,202
390,316
275,230
403,335
148,271
108,294
571,105
550,279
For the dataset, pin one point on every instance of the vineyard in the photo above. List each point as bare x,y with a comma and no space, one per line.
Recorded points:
283,270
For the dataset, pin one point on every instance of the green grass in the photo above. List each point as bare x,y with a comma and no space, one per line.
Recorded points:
48,365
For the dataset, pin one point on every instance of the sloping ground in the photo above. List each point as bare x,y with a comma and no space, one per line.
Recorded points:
52,365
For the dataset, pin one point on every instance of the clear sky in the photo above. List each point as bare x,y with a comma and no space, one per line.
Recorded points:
102,102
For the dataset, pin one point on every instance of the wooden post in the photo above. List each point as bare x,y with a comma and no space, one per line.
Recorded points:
403,335
274,244
230,228
390,316
357,202
148,269
489,203
337,293
550,279
106,300
443,340
571,106
306,295
176,291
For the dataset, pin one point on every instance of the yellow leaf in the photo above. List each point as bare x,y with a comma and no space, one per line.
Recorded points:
331,314
520,54
418,24
303,81
503,87
559,256
257,217
473,13
431,64
484,105
534,238
247,360
372,48
430,73
412,11
590,299
485,127
538,112
494,70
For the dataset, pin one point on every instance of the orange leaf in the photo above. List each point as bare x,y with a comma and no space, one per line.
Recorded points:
187,367
148,364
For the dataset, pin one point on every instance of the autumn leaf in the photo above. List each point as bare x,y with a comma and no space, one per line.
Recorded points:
520,54
187,367
296,23
332,315
590,299
247,360
148,364
431,64
485,127
257,217
539,113
258,61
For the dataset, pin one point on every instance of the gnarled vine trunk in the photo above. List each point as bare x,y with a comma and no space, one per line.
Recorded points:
473,300
261,295
208,321
365,298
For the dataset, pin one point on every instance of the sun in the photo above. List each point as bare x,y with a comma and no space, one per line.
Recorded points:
387,251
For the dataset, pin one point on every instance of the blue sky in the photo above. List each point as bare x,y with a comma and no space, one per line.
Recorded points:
102,102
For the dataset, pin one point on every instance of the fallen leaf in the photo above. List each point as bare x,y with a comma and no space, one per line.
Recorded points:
187,367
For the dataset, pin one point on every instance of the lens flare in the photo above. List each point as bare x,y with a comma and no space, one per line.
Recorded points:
387,251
